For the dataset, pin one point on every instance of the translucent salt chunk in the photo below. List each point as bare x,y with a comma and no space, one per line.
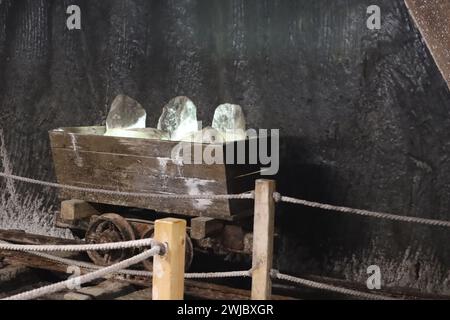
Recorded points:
125,113
230,121
206,135
143,133
179,118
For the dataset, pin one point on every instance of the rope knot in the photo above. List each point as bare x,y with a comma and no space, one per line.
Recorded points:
163,247
274,273
277,196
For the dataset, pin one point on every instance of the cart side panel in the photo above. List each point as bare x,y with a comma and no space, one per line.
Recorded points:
140,165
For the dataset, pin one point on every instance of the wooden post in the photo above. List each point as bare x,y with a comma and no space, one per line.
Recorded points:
168,270
263,228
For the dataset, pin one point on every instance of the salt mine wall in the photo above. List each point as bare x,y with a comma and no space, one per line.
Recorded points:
363,114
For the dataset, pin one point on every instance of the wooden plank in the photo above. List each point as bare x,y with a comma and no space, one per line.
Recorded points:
190,207
75,209
20,236
119,145
106,290
263,230
168,270
11,272
143,165
71,138
144,294
92,174
136,174
202,227
76,296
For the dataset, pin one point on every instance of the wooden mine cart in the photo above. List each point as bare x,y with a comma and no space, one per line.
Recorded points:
84,157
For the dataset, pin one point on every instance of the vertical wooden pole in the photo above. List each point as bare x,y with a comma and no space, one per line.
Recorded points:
168,270
263,228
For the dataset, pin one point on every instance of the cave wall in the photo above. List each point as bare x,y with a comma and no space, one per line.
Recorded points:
363,114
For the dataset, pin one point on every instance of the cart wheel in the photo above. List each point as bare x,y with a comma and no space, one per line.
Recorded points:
148,264
109,227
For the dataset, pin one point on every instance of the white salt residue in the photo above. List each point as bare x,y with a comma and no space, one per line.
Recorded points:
162,164
78,159
27,212
195,187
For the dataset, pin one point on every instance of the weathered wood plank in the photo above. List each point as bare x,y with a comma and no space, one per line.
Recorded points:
144,294
168,270
142,165
263,230
202,227
145,165
75,209
20,236
12,272
106,290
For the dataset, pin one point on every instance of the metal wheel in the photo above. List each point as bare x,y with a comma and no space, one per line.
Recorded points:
148,264
109,227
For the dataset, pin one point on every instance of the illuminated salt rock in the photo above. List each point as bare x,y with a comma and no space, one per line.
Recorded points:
125,113
230,121
143,133
206,135
179,118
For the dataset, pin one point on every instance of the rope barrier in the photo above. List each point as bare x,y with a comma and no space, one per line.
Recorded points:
211,275
248,195
367,213
148,242
143,273
322,286
90,266
70,283
121,268
110,246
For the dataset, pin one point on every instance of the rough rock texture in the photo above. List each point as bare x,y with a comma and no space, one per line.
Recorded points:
364,115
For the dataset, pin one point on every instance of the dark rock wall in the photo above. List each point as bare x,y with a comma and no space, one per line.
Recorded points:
363,114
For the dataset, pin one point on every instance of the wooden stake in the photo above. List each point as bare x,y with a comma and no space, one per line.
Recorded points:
168,270
263,228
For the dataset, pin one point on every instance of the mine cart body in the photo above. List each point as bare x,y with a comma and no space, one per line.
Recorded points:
84,157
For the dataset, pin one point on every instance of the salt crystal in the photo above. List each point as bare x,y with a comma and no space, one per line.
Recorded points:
179,118
230,121
125,113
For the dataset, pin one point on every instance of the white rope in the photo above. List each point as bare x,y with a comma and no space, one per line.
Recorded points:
322,286
367,213
70,283
81,247
143,273
226,274
90,266
248,195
